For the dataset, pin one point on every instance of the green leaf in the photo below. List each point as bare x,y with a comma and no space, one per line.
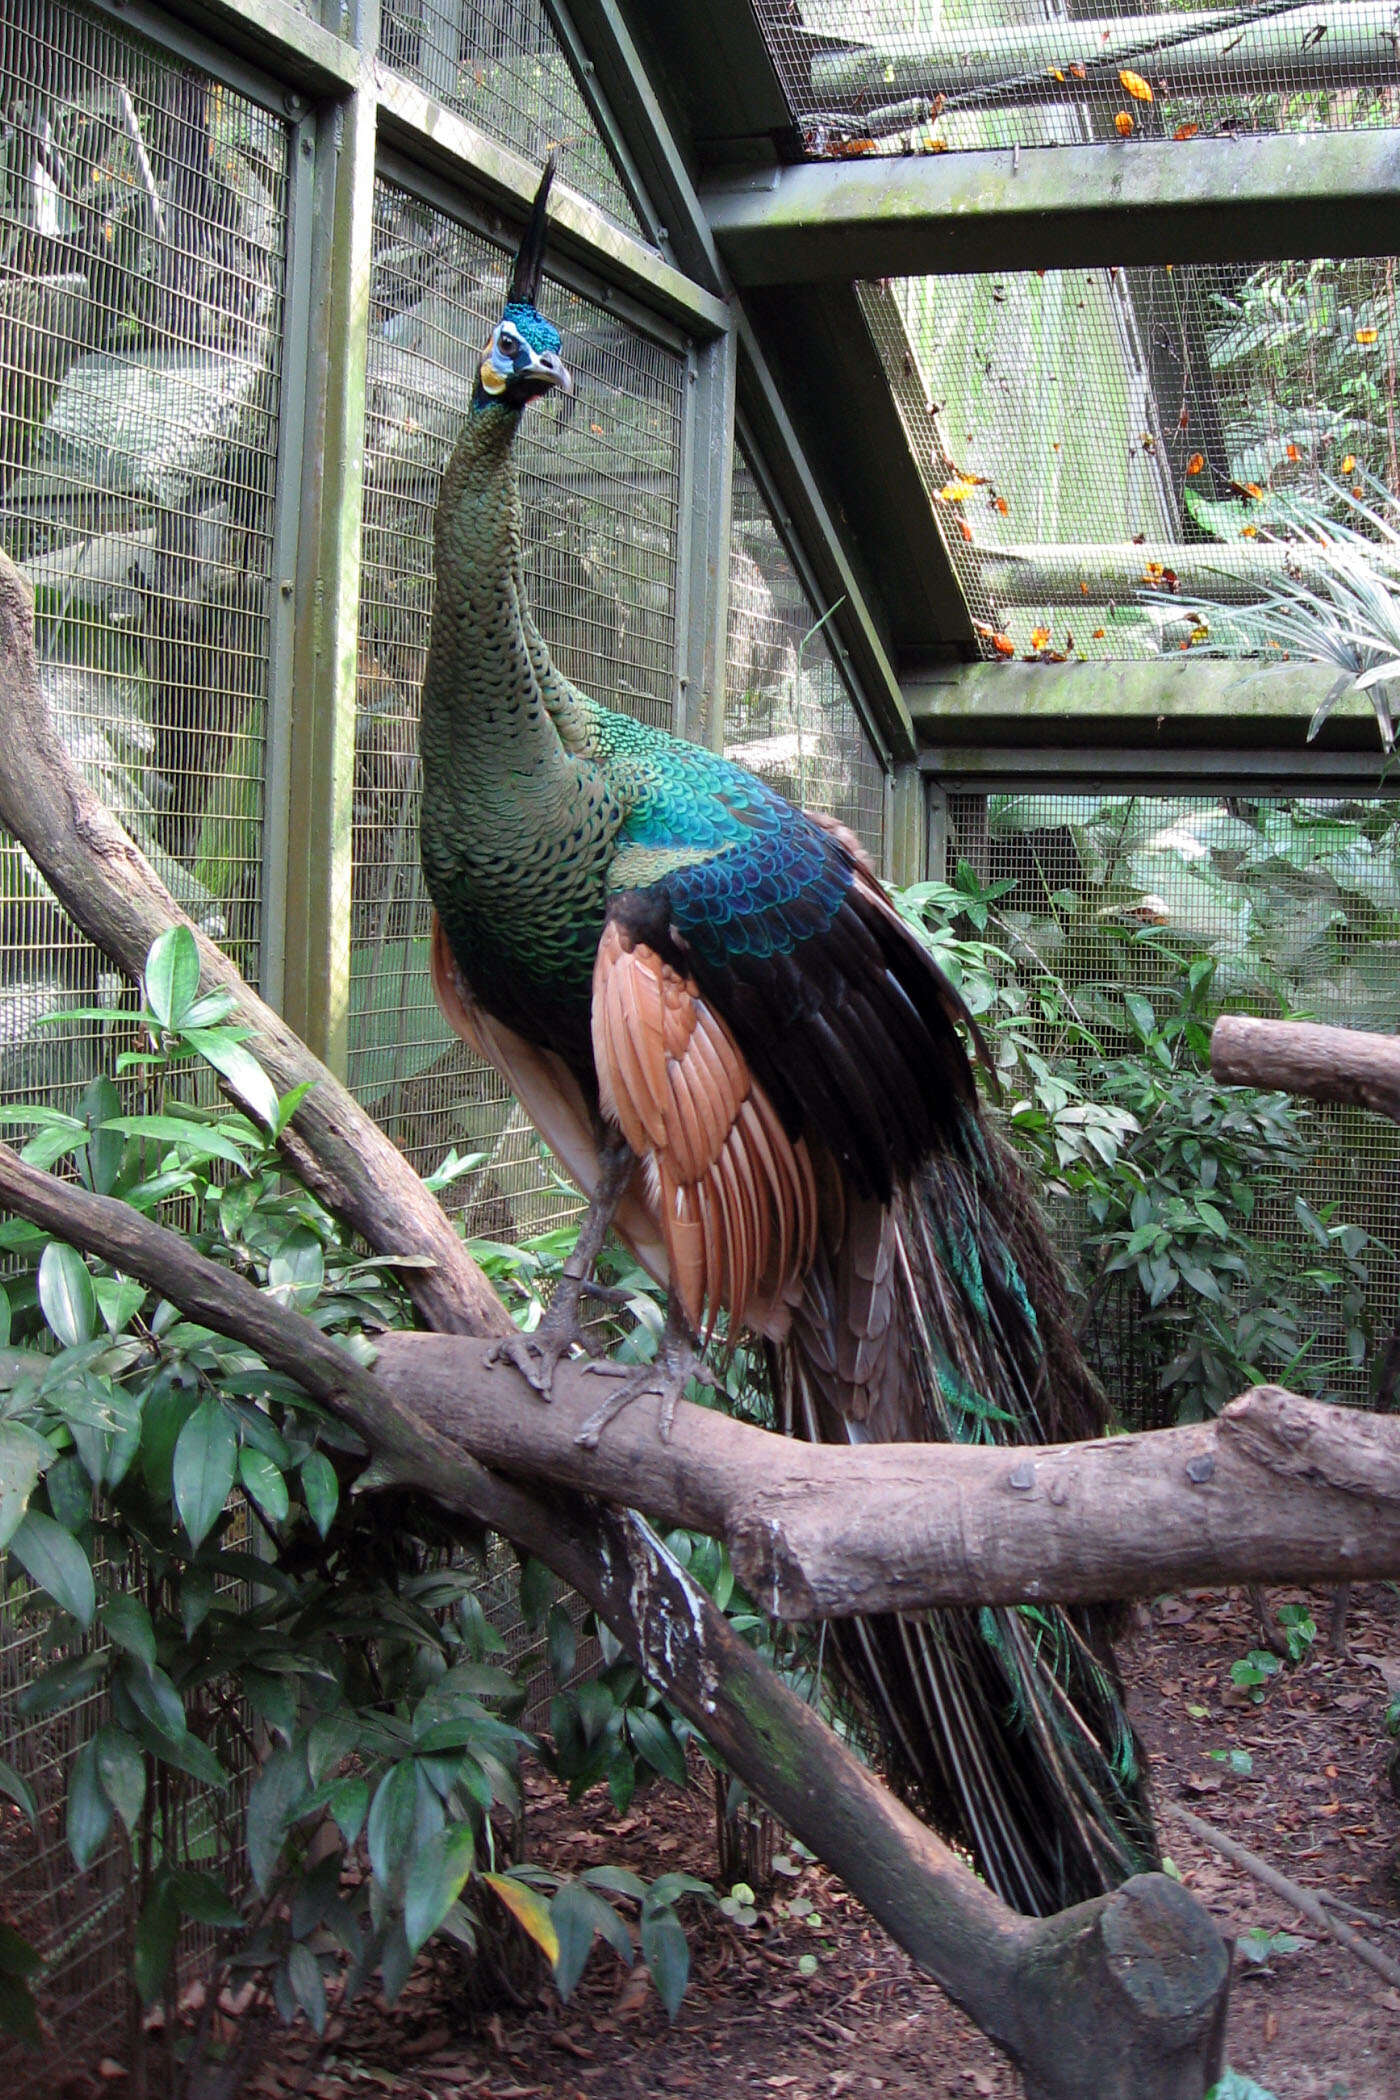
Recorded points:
121,1769
153,1948
128,1623
53,1559
666,1953
1235,2086
23,1457
172,976
655,1742
434,1881
156,1700
392,1817
563,1643
1142,1014
264,1482
308,1984
19,2015
21,1793
119,1300
299,1263
204,1898
197,1140
577,1916
240,1068
348,1804
537,1587
320,1489
206,1455
89,1810
66,1296
273,1800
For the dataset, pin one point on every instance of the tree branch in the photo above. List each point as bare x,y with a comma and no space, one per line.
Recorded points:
1325,1064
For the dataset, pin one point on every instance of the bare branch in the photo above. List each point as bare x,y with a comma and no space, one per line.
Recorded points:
1325,1064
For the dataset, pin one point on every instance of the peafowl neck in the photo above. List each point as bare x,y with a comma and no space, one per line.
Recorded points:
496,713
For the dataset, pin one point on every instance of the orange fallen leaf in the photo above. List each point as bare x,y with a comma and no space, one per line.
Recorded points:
1349,464
1083,589
935,145
964,528
1292,452
1054,72
1249,532
1000,504
1186,131
1367,335
1040,637
1195,463
1136,86
597,429
1076,73
1358,493
1099,634
1123,123
955,491
1003,645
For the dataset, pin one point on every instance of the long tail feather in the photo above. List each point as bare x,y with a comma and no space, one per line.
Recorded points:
1005,1726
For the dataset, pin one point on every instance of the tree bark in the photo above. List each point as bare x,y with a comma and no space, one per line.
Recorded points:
1298,1057
1147,1957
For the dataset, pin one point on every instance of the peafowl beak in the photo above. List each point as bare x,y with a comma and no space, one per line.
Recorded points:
544,371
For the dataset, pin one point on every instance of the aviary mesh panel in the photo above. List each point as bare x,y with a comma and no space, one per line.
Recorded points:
1297,903
788,716
499,63
142,252
901,76
1102,447
601,492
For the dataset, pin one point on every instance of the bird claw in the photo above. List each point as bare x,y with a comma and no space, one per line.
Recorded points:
536,1356
668,1378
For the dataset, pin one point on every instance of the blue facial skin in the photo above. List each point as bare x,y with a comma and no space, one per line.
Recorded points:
516,362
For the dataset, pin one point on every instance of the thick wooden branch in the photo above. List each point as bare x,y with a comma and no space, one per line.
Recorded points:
1325,1064
1279,1489
1129,1991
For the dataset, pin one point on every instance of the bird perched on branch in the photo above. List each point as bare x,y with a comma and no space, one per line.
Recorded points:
716,1018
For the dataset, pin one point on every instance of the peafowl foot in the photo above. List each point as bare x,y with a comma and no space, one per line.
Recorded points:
678,1361
537,1356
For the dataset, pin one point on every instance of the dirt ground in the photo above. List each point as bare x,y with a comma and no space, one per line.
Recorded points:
1308,2023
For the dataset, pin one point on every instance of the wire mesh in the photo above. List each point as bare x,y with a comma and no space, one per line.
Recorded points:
142,249
600,487
1099,445
142,243
499,63
902,76
1297,904
788,716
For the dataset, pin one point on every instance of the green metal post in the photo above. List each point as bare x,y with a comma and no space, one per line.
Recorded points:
321,757
707,495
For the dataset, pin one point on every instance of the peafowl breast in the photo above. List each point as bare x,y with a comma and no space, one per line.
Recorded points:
716,1018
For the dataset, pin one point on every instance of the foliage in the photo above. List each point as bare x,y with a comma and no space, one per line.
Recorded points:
1333,606
1184,1189
279,1661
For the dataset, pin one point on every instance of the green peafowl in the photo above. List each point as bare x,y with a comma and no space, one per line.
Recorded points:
718,1021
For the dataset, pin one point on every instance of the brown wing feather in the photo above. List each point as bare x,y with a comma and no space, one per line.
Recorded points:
550,1096
735,1196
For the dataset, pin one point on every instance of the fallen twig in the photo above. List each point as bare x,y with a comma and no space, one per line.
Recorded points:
1308,1902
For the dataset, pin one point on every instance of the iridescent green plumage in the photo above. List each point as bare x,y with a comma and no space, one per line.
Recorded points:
931,1306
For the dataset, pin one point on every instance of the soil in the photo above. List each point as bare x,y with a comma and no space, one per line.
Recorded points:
1308,2021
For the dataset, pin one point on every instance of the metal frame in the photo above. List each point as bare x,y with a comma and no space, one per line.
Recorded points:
694,115
1255,199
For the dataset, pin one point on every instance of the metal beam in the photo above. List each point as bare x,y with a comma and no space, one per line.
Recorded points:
1130,202
1190,702
1294,48
707,511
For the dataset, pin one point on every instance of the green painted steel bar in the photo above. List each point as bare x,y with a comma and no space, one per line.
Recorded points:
321,755
707,505
1129,202
1232,49
1090,573
1189,699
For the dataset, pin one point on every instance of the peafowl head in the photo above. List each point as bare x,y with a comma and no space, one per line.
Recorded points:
522,358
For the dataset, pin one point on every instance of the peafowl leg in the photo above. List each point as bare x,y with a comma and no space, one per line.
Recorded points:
677,1361
537,1356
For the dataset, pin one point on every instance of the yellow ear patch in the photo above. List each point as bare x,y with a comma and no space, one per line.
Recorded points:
492,380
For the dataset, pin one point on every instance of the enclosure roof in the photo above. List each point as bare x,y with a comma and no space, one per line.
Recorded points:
1069,318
